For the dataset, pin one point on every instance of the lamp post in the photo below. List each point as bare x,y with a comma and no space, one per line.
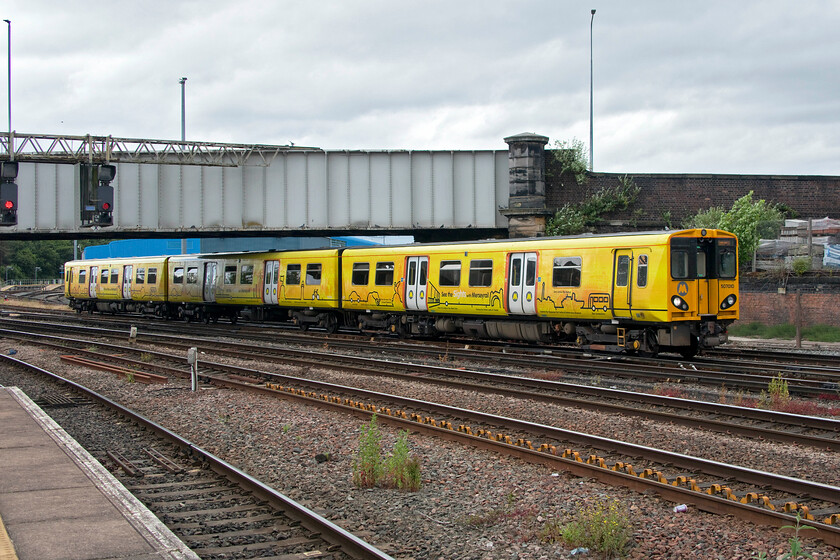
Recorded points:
591,156
9,81
37,268
183,82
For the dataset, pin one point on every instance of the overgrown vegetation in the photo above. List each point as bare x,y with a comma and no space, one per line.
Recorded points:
402,470
571,157
576,218
398,470
751,220
367,468
603,526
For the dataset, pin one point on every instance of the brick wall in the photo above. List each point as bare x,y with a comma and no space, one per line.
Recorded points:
673,197
762,302
771,308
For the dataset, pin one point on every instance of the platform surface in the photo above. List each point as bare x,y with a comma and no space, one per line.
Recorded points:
59,503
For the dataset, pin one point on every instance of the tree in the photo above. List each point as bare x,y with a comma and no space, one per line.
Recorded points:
748,219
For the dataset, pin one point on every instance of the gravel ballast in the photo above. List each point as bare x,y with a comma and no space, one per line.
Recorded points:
473,504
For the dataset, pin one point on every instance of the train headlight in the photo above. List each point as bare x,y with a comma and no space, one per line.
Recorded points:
679,303
728,301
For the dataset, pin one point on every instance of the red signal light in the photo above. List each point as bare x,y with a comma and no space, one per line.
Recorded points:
8,204
106,206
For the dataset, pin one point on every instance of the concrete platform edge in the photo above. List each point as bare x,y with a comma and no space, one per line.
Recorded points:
144,521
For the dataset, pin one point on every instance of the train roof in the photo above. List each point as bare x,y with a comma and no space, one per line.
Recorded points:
646,236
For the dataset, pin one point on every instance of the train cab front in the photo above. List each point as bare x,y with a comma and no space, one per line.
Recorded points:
703,289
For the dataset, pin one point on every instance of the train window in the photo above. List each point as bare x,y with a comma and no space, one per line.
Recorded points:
701,264
641,271
412,272
140,278
152,277
361,271
530,272
313,274
178,275
450,273
566,272
192,275
679,263
292,274
516,272
384,274
246,274
115,276
424,265
82,275
622,271
728,265
103,276
481,273
230,274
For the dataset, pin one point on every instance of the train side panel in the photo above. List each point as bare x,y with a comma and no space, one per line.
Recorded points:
307,279
239,280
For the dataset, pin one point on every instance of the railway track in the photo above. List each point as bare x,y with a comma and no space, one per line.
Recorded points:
710,485
817,432
218,511
806,381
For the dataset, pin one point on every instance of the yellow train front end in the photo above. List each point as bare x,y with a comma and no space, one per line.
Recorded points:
702,288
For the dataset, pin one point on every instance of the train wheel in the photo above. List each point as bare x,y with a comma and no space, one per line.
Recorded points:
690,351
331,324
650,346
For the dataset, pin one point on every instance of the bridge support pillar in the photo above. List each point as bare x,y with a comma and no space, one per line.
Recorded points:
526,212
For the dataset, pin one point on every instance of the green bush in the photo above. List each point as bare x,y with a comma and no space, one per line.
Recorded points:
367,468
603,526
801,265
401,470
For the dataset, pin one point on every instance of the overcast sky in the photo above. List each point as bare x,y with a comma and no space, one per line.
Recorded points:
684,87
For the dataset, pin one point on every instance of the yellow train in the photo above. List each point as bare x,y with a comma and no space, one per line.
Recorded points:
638,292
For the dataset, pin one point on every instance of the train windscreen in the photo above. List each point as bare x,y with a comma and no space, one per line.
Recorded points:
703,258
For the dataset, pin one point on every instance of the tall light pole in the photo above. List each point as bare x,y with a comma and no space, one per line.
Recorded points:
9,80
37,268
591,104
183,82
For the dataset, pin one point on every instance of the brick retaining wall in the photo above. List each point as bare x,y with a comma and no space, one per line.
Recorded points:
673,197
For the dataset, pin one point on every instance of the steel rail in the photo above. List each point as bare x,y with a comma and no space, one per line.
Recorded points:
328,530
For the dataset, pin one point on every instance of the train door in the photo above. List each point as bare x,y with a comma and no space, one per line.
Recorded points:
706,290
622,283
209,290
272,273
94,275
522,283
292,282
126,285
415,285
